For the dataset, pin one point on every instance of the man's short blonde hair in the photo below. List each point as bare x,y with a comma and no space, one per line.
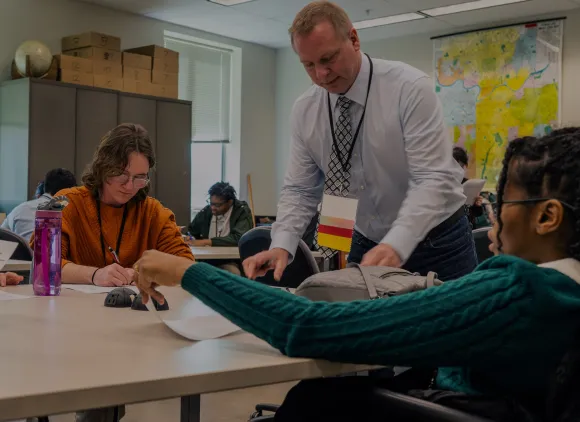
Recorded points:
320,11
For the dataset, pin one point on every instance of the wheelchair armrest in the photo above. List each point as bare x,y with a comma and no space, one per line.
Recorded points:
417,409
261,407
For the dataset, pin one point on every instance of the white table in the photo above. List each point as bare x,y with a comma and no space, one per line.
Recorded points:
203,253
70,353
16,265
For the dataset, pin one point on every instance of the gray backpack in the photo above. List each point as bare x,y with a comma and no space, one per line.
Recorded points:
357,283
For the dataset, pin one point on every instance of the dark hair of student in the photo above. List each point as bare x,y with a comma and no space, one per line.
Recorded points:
460,155
548,167
223,190
57,180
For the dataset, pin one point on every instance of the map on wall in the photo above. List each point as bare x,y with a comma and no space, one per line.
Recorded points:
496,85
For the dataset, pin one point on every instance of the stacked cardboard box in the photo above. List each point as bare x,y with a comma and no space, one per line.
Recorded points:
76,70
137,74
104,51
164,70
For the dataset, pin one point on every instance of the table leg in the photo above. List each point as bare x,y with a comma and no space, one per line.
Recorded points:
191,409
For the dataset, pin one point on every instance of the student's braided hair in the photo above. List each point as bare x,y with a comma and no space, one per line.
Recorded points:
548,167
223,190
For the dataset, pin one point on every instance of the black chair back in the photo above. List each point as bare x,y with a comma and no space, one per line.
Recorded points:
303,266
482,244
23,251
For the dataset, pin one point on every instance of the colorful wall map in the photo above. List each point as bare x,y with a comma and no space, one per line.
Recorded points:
496,85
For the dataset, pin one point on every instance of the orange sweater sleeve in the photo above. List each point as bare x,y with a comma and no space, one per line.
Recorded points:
170,239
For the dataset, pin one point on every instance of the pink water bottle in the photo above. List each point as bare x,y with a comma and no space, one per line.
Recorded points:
46,267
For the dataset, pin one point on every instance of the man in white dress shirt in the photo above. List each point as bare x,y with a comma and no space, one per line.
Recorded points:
384,115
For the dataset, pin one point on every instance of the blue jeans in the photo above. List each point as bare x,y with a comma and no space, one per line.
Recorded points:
451,254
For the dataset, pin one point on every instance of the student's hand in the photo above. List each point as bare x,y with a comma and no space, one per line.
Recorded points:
258,265
478,201
382,255
201,242
492,236
113,275
10,279
158,269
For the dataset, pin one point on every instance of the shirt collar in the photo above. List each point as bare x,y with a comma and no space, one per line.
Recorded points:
358,90
568,266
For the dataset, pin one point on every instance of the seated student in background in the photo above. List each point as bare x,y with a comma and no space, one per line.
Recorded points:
10,279
499,332
21,219
221,223
476,209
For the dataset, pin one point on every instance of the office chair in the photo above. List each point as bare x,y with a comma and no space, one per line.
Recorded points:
303,266
482,244
23,251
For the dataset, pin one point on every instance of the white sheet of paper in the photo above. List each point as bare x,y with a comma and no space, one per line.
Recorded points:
11,296
339,207
472,188
6,251
87,288
195,321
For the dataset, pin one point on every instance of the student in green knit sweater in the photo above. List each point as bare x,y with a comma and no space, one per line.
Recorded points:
498,332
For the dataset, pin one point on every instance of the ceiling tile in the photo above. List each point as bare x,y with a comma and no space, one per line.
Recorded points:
421,26
512,12
416,5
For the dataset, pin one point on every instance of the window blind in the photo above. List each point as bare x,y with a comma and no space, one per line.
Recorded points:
204,79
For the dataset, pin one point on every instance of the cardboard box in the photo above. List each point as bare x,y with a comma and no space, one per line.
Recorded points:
105,81
168,91
166,66
163,78
74,77
136,74
156,52
91,39
137,61
2,217
105,67
96,53
78,64
138,87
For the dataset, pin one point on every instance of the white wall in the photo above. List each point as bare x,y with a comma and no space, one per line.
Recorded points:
417,51
50,20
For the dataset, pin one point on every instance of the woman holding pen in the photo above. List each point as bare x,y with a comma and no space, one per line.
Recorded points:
110,220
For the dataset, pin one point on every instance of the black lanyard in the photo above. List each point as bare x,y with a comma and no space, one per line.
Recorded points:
119,237
344,164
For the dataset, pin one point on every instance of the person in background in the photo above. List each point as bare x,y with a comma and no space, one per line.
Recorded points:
21,219
222,222
410,211
10,279
110,221
497,335
476,209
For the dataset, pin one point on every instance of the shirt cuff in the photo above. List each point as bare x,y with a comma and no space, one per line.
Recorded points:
287,241
402,240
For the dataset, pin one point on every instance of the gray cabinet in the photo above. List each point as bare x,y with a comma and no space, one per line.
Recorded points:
48,124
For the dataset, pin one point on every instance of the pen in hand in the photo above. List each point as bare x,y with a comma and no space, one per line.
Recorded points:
117,260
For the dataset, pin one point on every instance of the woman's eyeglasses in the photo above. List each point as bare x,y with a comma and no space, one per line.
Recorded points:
216,204
139,181
531,201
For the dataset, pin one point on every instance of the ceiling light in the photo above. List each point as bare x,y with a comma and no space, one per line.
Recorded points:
229,2
464,7
387,20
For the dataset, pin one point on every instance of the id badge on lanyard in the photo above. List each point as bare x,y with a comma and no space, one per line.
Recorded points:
338,213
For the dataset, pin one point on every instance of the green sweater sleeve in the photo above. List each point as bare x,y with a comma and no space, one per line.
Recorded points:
461,323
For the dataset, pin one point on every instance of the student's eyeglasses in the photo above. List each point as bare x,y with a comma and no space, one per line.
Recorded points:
139,181
216,204
532,201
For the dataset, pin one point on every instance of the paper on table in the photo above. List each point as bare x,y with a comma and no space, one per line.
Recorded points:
87,288
6,251
472,188
11,296
195,321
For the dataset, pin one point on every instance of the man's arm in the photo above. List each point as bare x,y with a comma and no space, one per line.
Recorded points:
434,177
301,193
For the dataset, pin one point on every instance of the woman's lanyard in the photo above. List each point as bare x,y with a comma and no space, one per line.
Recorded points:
344,164
119,237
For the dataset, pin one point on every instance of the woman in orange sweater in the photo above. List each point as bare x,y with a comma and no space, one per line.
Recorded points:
110,221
